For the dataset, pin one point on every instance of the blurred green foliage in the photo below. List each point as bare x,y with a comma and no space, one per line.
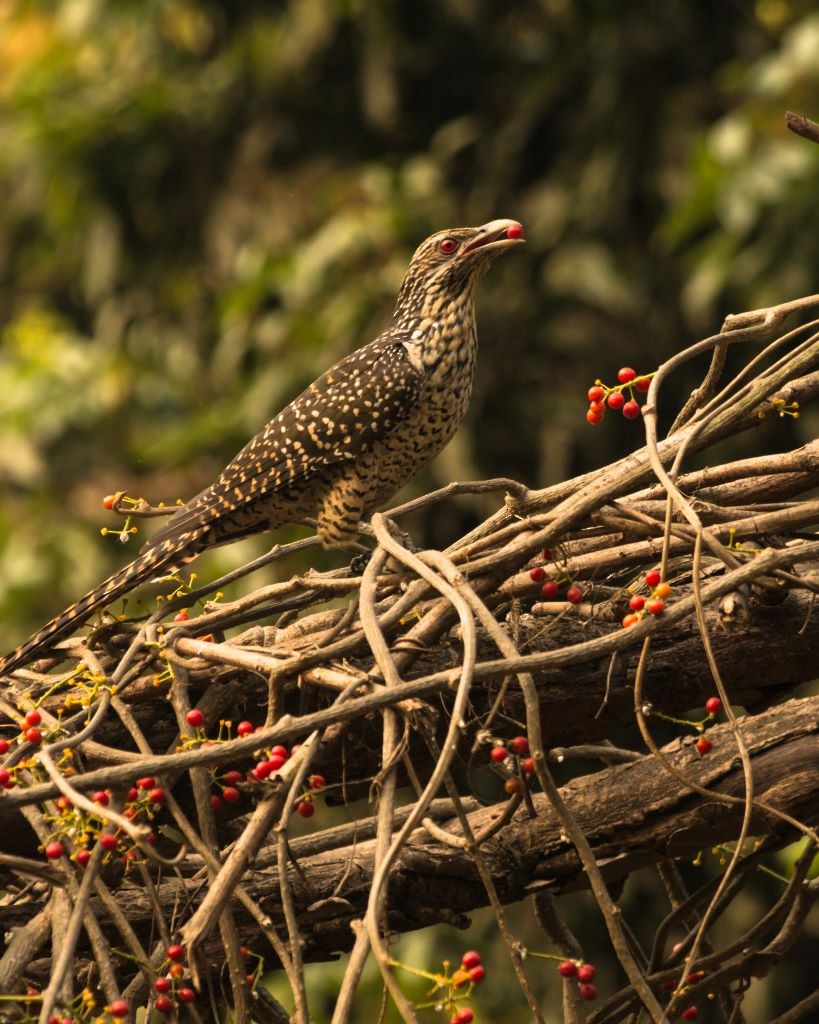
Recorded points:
204,204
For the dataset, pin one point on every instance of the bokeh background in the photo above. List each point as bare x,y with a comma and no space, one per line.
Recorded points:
205,204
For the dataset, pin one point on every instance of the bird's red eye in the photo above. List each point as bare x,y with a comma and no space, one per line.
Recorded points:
448,245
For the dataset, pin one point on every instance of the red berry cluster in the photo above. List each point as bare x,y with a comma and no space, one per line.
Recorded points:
713,706
549,587
228,793
601,396
471,972
517,748
142,804
276,758
170,989
654,604
584,973
29,733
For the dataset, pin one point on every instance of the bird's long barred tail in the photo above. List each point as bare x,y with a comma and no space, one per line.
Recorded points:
171,553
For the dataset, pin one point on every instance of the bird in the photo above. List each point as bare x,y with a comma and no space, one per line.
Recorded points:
348,442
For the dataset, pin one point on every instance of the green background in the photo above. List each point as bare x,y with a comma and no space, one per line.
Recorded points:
205,204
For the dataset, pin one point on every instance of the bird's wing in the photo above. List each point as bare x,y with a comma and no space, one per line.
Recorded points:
335,419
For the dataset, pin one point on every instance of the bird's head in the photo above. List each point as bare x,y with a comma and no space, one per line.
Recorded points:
447,264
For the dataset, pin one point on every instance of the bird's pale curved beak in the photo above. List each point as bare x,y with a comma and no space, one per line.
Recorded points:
496,236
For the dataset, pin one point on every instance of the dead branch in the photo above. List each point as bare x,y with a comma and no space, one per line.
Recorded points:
490,665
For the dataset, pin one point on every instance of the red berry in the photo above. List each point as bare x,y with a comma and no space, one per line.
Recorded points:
596,394
281,752
306,808
549,589
83,857
244,728
704,745
109,500
574,595
157,796
5,778
538,574
230,794
195,718
186,995
630,620
63,803
470,959
175,952
4,746
232,777
498,753
119,1008
616,400
33,717
463,1016
54,850
275,761
477,974
691,1013
713,705
262,770
656,606
101,797
637,602
587,991
528,765
519,745
598,408
586,973
162,985
626,374
181,616
631,410
642,383
146,782
133,794
108,841
33,735
652,578
567,969
516,231
594,417
316,782
163,1004
215,802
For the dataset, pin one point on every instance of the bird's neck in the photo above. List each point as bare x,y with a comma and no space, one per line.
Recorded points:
434,311
442,337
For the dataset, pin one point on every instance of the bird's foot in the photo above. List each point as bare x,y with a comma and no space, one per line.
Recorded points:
360,561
